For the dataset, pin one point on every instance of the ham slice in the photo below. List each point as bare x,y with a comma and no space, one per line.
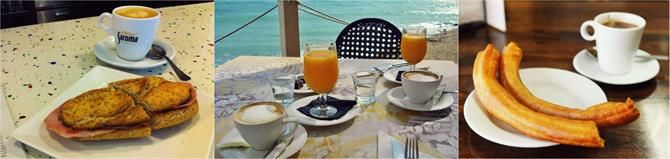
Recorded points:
190,99
54,124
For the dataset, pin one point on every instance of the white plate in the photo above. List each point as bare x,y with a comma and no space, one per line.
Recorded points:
192,139
397,97
390,74
305,120
9,147
105,51
299,139
643,69
304,88
553,85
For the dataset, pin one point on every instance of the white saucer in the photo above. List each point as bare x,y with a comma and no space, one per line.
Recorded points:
397,97
299,139
643,69
553,85
304,88
305,120
391,74
105,51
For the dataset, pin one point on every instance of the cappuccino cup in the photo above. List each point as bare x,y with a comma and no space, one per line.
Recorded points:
617,36
420,86
262,123
133,28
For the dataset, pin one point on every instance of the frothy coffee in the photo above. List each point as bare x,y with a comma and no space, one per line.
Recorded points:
421,76
259,113
136,12
618,24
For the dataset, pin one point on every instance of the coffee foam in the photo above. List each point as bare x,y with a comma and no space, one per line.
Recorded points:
416,76
257,114
136,12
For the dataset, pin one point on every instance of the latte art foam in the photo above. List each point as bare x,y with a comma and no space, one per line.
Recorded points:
420,77
259,114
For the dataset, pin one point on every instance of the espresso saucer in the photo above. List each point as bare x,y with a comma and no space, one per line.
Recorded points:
105,51
292,111
238,148
391,74
398,97
643,69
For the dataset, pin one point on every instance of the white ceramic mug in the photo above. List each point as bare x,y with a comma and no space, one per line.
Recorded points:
420,91
262,136
132,36
616,46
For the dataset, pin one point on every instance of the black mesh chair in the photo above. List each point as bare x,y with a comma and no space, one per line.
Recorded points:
369,38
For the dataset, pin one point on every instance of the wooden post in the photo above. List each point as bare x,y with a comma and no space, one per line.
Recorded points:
289,28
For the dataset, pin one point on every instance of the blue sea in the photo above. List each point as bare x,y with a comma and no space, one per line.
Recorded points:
262,37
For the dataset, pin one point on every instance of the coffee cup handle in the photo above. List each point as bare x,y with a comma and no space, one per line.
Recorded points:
585,32
102,25
294,122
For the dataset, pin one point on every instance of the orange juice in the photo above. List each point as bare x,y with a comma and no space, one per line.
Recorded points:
413,48
321,70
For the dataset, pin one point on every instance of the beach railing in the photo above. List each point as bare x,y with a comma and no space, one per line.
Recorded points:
289,28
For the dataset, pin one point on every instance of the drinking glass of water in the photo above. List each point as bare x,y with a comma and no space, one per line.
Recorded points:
364,85
282,88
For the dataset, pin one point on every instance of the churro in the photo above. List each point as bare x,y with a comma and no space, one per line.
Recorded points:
502,105
608,114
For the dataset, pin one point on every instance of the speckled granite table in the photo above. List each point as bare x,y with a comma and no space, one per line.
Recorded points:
244,80
40,61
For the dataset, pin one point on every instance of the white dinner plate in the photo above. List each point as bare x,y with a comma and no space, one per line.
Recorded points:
306,120
192,139
553,85
299,139
104,50
397,97
643,69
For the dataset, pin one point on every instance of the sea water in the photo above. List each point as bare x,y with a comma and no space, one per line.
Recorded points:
261,38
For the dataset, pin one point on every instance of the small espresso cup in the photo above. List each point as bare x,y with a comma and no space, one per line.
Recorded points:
617,36
420,86
261,128
133,28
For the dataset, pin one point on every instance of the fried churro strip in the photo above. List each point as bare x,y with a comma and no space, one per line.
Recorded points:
502,105
608,114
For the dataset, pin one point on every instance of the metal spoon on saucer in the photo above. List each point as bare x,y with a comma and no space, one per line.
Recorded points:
594,53
156,52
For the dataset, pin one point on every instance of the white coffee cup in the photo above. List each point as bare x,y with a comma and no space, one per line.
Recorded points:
132,36
261,128
616,46
420,86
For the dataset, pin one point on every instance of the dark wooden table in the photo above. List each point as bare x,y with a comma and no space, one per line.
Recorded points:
548,32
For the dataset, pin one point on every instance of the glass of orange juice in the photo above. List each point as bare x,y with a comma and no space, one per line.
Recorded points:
321,73
413,45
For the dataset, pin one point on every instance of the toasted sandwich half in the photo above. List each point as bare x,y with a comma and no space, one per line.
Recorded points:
100,114
168,103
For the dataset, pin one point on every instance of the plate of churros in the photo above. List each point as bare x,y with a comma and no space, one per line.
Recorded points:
538,107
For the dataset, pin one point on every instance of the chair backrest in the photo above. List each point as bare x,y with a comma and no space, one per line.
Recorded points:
369,38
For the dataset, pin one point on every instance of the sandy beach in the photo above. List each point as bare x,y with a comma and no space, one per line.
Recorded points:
443,46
